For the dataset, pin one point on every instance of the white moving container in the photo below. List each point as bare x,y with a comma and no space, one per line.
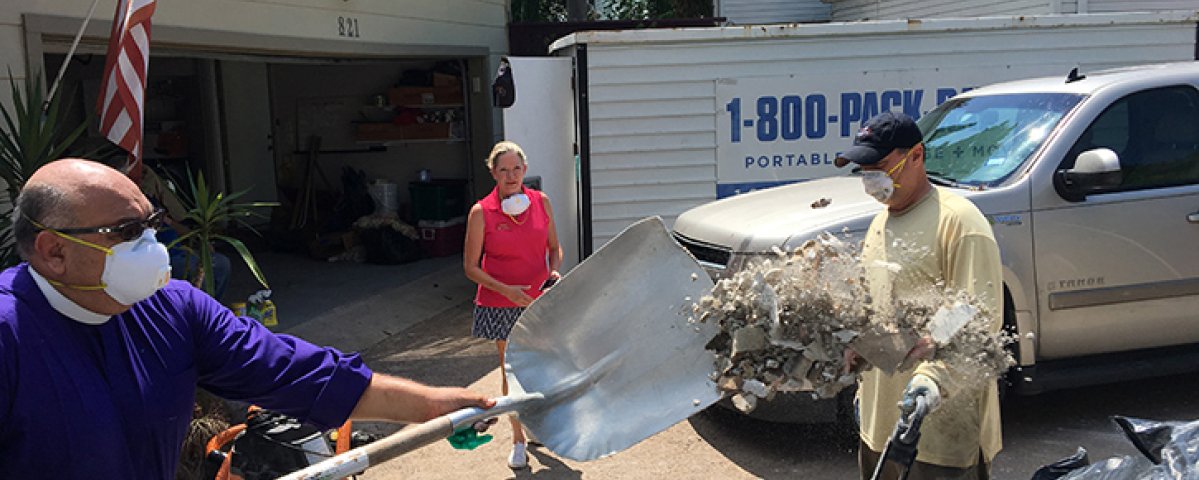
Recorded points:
673,118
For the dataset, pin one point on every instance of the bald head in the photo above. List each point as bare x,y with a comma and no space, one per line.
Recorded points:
71,192
83,179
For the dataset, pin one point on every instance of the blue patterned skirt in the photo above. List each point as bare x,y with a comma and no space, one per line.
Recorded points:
494,323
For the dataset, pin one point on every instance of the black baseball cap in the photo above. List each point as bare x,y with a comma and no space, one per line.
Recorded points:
878,137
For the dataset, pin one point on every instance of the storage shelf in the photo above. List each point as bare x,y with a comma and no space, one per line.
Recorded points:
415,140
432,105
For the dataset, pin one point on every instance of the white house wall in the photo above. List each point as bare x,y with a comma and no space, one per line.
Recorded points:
652,94
745,12
299,25
852,10
1098,6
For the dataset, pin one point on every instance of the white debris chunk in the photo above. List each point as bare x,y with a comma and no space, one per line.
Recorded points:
745,402
948,321
755,388
889,266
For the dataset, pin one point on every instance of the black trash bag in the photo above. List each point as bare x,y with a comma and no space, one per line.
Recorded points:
1060,468
1126,467
1148,436
1174,444
503,90
387,246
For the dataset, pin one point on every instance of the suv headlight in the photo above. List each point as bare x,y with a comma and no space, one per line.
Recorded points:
715,259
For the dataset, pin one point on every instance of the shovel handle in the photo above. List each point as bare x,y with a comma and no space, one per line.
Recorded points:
408,439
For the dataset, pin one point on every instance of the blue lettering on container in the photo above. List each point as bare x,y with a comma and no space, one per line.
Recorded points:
944,94
890,99
911,102
869,105
851,113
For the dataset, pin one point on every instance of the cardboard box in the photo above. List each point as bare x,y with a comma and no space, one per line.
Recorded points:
383,132
426,131
446,80
378,132
419,96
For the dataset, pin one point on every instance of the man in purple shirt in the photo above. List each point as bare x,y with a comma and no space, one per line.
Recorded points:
100,353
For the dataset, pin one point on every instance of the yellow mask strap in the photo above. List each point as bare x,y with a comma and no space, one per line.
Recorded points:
106,250
901,163
57,283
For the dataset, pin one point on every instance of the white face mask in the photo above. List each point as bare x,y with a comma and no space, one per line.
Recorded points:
878,185
133,270
515,204
136,269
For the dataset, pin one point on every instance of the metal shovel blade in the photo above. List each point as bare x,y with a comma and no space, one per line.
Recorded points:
611,347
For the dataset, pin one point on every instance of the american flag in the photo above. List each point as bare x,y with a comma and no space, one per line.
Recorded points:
123,88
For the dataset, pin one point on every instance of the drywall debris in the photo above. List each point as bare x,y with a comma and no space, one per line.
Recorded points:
787,320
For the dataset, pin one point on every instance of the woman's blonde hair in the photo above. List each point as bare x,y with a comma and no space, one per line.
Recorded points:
502,148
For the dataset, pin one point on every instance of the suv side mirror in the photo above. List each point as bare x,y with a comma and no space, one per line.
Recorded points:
1094,170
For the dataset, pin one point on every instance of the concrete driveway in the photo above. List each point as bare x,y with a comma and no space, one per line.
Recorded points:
414,320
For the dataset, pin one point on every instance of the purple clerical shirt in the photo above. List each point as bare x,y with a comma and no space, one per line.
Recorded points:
114,400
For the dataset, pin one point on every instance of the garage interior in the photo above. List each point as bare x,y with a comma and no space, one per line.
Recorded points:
337,143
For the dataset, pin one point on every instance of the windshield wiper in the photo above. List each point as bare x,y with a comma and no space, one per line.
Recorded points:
943,131
940,179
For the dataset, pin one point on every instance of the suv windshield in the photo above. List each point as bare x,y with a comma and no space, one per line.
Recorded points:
979,141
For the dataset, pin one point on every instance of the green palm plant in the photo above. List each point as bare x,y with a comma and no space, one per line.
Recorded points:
209,212
33,134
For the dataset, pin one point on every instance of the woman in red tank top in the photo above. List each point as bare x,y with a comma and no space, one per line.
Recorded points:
511,251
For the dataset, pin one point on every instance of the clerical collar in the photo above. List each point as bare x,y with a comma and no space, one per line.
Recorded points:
65,305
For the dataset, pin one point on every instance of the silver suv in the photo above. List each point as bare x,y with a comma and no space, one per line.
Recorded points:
1091,183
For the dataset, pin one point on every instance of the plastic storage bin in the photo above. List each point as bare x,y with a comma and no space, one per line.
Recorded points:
442,238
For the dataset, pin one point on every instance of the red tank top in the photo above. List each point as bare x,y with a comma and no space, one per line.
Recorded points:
514,248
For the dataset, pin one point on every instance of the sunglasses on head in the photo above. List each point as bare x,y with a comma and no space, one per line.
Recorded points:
128,231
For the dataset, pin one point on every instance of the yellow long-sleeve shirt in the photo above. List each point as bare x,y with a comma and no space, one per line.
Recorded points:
953,243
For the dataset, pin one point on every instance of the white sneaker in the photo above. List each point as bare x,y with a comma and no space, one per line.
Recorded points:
518,458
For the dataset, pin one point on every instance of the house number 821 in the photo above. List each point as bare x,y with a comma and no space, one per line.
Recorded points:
348,27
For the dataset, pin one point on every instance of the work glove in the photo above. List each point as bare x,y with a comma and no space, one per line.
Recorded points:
920,385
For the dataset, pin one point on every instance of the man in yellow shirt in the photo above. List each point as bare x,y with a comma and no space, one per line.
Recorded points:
934,236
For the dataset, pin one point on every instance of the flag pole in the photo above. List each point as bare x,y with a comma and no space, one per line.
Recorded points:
67,60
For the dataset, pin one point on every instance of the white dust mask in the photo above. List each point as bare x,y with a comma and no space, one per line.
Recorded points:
133,270
515,204
878,185
136,269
